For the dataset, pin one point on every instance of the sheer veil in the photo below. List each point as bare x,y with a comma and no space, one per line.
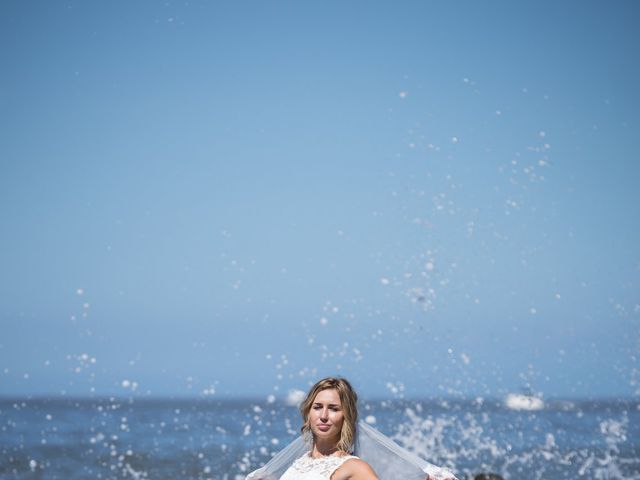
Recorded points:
389,460
282,460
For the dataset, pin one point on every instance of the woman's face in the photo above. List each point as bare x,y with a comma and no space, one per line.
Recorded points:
326,416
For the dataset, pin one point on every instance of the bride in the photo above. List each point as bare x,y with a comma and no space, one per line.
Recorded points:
331,435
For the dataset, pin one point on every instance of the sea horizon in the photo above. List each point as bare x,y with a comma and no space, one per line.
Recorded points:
282,398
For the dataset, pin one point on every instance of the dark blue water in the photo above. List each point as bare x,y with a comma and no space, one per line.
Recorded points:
224,439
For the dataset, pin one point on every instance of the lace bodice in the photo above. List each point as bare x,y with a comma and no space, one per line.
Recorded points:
309,468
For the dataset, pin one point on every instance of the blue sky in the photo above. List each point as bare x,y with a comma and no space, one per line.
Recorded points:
430,198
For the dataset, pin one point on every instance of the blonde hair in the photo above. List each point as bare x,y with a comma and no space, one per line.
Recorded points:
348,401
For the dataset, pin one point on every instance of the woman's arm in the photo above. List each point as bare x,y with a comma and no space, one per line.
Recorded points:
354,469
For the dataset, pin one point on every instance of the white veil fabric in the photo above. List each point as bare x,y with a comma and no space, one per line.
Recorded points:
282,460
388,459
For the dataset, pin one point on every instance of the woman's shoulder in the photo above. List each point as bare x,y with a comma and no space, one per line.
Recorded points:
356,469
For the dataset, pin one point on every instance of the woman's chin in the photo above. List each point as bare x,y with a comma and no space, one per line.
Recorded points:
326,435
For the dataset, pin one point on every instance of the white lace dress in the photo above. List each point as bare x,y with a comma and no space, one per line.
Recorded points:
309,468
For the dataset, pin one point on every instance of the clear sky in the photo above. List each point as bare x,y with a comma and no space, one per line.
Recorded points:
235,198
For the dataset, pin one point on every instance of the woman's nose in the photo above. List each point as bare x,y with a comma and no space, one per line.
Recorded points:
324,415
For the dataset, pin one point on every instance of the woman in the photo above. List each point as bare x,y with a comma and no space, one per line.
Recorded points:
329,414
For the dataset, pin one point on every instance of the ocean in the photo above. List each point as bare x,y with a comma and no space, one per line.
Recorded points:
135,438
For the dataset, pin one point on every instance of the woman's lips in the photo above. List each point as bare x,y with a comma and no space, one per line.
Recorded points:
324,427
